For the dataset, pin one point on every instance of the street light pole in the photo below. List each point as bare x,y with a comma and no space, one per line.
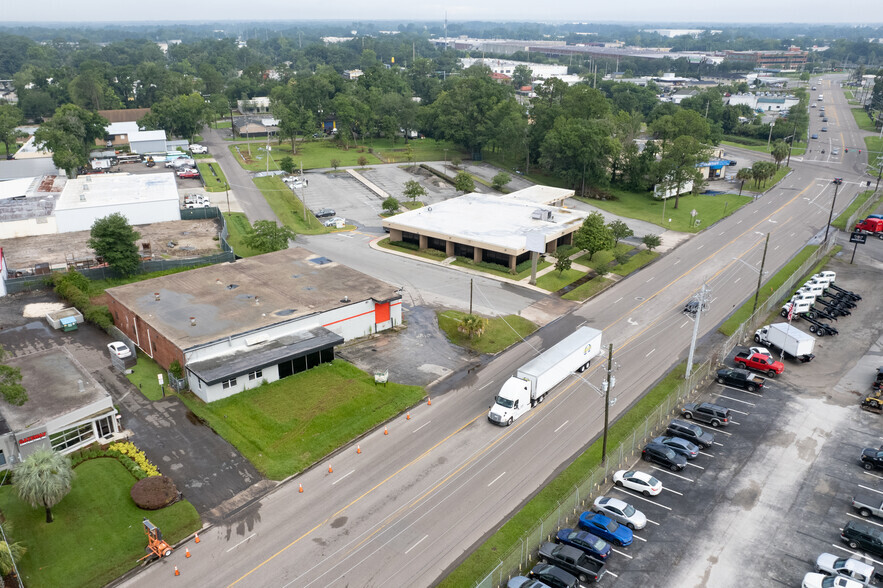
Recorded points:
702,294
607,401
760,275
831,215
770,138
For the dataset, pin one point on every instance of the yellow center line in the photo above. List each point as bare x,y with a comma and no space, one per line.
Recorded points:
522,421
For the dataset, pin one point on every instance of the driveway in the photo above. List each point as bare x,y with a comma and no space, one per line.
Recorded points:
213,476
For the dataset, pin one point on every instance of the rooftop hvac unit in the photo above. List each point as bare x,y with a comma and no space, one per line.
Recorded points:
541,214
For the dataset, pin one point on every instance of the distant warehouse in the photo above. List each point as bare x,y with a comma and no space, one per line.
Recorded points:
493,229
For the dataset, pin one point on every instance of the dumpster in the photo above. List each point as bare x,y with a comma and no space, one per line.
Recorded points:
68,323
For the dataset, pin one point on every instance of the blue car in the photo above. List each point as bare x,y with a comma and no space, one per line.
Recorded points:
814,136
605,528
593,546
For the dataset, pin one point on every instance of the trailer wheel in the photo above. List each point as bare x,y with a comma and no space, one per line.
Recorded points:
812,328
541,398
822,332
811,315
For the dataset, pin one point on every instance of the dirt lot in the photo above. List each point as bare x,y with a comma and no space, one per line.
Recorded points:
192,238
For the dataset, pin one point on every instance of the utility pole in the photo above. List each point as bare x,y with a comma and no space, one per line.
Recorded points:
607,400
831,214
760,275
470,295
702,301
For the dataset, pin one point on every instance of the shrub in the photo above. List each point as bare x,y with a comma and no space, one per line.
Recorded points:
176,369
405,245
363,161
99,315
136,457
154,492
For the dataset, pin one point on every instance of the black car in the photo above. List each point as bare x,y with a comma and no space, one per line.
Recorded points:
571,560
707,412
739,378
659,453
690,432
838,180
554,576
872,458
324,212
859,535
692,307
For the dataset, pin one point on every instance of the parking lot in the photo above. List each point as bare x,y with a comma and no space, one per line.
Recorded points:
774,490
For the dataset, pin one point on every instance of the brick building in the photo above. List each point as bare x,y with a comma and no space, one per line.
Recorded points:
793,58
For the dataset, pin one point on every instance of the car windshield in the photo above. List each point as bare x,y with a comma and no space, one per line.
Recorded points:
504,402
828,582
598,545
629,510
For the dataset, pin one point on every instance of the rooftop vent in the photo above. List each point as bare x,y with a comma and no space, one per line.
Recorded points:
541,214
345,299
320,260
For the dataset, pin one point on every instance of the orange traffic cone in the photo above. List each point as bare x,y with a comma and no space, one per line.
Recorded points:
177,573
358,449
197,538
300,487
186,552
329,469
408,418
385,431
429,401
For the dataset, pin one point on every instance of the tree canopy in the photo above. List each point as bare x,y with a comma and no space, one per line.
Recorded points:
113,239
267,236
43,479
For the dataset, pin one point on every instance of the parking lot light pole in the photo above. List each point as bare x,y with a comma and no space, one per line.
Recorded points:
607,401
760,275
703,293
831,215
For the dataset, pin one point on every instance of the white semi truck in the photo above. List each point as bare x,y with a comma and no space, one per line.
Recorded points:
533,380
791,340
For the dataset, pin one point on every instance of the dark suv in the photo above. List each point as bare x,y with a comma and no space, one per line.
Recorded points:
872,458
859,535
554,576
659,453
690,432
707,413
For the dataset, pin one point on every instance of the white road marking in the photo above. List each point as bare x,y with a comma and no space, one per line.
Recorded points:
732,422
653,522
858,555
740,390
686,322
639,497
609,573
871,489
581,324
486,385
873,475
693,465
736,281
617,300
416,544
341,478
671,473
677,262
639,538
700,247
717,430
561,426
650,279
421,426
739,223
718,444
861,518
672,491
497,478
706,454
721,233
241,542
736,400
651,351
738,411
776,247
621,553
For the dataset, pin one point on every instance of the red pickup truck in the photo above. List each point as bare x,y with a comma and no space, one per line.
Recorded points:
760,363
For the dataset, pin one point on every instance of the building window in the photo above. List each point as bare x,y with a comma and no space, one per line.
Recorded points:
70,437
255,374
2,458
228,383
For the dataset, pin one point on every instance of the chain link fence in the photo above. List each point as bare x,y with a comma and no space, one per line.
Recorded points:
521,558
862,211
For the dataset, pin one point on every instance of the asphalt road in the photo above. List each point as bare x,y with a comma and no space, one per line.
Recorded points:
415,501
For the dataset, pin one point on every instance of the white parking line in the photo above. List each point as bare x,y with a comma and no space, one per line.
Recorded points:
693,465
732,422
416,544
561,426
736,400
857,554
861,518
672,491
874,475
421,426
670,473
706,454
635,495
653,522
622,553
740,390
609,573
718,444
715,429
871,489
497,478
738,411
639,538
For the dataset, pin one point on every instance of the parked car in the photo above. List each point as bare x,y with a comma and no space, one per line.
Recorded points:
824,129
872,458
740,378
835,151
814,136
119,349
336,222
620,511
606,528
188,173
554,577
686,448
591,545
638,481
690,432
845,567
524,582
571,560
195,148
814,580
198,204
707,412
658,453
861,535
323,212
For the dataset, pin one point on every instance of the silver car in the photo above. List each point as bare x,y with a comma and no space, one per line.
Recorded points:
620,511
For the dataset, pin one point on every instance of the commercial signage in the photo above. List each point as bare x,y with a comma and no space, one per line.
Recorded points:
858,238
31,438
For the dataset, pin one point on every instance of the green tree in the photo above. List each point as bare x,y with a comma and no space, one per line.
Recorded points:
413,190
500,180
9,553
10,383
593,235
562,262
70,135
287,164
678,164
472,326
651,241
182,116
266,236
113,239
43,479
335,163
391,205
580,150
779,152
619,230
522,76
463,182
742,175
10,118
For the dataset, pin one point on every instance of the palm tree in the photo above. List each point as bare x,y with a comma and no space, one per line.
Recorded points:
9,553
43,479
471,325
744,174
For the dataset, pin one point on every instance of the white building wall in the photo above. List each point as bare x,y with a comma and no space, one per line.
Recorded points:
137,213
44,225
148,146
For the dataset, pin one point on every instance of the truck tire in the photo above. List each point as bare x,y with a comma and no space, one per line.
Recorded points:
509,422
864,512
583,578
688,415
821,332
646,457
771,373
541,398
811,315
751,387
812,328
852,544
783,313
757,338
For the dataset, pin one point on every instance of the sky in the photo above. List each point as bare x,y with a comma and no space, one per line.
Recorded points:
651,12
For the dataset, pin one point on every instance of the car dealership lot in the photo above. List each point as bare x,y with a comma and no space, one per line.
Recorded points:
774,490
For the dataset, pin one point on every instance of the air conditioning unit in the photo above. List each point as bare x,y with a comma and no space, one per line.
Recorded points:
541,214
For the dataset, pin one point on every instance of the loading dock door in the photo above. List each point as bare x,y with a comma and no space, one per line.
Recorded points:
381,313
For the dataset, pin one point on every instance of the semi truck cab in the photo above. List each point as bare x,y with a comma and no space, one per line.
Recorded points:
512,402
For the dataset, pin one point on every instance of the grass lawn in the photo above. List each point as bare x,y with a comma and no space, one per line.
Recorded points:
840,221
487,556
143,377
421,150
862,119
783,171
600,262
285,426
635,262
97,533
411,204
311,154
509,165
214,182
710,209
288,207
555,280
237,227
770,286
875,149
589,289
799,147
491,268
499,332
222,124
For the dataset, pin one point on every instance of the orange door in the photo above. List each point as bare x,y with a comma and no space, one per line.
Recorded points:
381,313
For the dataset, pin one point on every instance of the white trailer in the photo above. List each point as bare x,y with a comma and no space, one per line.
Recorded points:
793,342
535,379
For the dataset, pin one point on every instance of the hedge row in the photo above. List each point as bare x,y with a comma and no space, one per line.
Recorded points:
73,287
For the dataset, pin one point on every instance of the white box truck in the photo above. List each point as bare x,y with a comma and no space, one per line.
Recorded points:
533,380
793,342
